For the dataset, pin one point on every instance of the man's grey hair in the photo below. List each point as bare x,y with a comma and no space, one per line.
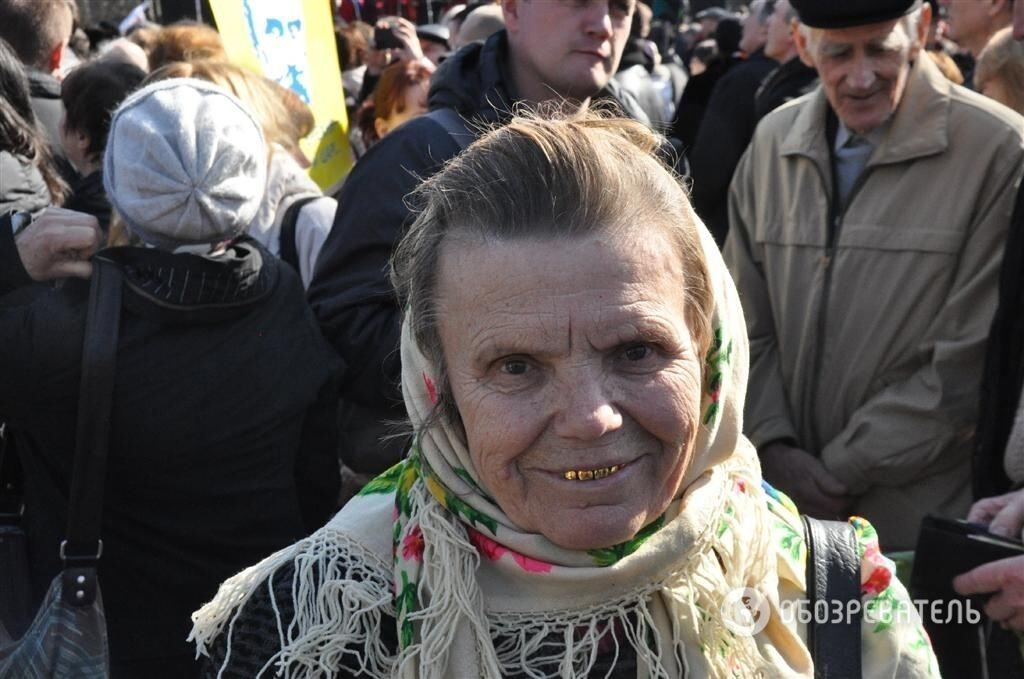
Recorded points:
910,23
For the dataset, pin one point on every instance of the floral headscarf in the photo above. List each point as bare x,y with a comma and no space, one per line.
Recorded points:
473,595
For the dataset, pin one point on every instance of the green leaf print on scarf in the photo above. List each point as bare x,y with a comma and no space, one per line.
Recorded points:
473,516
607,556
792,541
717,360
387,482
405,603
881,609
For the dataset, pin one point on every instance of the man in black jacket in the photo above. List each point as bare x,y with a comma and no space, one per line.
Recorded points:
550,51
793,78
728,125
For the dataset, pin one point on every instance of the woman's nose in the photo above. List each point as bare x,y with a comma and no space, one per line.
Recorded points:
588,414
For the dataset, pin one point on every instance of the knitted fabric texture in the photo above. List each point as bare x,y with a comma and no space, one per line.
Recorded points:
185,164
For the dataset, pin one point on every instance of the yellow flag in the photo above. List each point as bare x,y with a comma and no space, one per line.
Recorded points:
292,42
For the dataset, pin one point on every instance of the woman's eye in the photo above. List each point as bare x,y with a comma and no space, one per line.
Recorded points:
514,366
637,352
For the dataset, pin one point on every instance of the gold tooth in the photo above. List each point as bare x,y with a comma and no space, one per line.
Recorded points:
601,473
570,476
614,468
587,475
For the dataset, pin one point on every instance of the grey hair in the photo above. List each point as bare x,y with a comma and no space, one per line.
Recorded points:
545,176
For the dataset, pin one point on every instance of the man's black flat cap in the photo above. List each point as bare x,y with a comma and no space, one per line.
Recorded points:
846,13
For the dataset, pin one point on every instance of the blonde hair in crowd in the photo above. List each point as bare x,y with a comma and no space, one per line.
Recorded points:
1002,60
548,176
284,117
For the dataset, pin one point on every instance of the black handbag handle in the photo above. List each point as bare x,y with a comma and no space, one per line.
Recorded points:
833,575
83,547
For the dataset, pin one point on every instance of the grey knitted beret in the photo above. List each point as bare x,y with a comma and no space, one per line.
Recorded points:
185,164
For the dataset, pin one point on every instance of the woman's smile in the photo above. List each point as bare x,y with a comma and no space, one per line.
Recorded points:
575,377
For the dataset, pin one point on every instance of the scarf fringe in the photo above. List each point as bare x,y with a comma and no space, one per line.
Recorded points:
341,594
448,591
566,643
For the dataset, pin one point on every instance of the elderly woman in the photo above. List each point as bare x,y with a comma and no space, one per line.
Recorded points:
579,500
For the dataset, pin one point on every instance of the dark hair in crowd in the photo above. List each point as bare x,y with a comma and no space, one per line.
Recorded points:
19,134
34,27
92,92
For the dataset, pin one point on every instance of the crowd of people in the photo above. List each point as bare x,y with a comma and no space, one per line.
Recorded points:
613,302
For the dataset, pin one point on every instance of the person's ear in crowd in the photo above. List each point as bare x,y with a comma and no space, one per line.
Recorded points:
38,31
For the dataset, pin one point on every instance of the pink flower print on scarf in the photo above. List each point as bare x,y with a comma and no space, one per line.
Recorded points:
491,550
412,545
431,389
876,574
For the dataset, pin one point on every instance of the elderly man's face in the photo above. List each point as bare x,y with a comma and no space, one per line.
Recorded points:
864,69
755,31
970,21
576,379
566,48
780,32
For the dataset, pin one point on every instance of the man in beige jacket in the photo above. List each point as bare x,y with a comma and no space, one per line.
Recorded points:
867,224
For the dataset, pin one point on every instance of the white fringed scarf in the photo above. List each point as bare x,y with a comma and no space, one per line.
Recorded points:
474,596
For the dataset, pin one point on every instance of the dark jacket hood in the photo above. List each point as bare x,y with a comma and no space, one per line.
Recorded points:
477,82
188,288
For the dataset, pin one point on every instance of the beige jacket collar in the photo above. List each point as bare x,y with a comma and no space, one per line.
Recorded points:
919,128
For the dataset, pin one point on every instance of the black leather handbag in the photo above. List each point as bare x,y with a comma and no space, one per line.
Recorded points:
68,635
833,575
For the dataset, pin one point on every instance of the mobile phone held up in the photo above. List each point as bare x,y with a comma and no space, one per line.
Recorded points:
384,38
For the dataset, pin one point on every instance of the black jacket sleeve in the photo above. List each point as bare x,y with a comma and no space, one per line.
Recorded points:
725,132
12,271
350,291
317,476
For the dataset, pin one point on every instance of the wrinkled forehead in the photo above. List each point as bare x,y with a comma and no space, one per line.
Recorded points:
885,36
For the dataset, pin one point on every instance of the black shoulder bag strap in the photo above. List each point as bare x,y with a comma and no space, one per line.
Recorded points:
82,548
286,240
454,124
833,577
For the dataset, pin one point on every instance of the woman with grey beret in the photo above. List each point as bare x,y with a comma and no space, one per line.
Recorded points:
222,436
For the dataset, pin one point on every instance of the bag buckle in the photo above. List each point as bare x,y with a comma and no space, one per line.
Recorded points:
64,557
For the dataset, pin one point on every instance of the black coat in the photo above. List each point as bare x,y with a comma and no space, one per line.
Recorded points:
350,292
89,196
791,80
1003,377
725,131
48,109
222,431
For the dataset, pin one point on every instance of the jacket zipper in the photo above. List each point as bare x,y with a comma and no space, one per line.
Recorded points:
835,226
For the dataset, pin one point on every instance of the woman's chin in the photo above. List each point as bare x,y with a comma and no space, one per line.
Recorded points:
594,528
